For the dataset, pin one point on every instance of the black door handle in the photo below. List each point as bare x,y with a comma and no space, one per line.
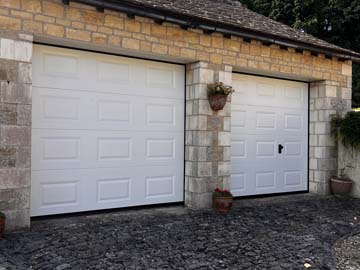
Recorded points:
280,148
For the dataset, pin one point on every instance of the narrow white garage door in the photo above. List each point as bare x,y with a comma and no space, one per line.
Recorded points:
108,131
269,136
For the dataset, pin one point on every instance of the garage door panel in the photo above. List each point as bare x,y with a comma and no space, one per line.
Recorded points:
294,179
265,181
107,131
293,121
295,95
266,120
267,113
263,92
247,179
84,71
52,107
249,148
60,109
56,191
56,149
239,183
294,147
61,191
62,149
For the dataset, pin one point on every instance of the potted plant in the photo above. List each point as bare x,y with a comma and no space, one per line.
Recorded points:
2,224
346,131
341,184
222,200
217,95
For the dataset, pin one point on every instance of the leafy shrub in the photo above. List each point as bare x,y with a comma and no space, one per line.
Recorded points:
2,215
347,129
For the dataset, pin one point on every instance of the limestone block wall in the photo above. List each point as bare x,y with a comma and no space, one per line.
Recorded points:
208,135
15,128
350,160
325,99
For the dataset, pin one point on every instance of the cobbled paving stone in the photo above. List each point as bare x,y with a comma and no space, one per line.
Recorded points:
279,234
347,252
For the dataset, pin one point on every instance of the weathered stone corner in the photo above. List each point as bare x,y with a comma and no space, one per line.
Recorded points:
15,128
207,146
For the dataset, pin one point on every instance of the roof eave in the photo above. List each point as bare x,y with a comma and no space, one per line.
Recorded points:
186,21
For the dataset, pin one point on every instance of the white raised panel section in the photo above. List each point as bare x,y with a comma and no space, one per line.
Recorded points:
265,120
238,118
265,113
60,65
114,148
293,93
160,77
293,149
56,107
241,86
293,178
107,131
57,194
60,148
265,149
118,111
293,121
238,149
265,179
238,181
160,148
112,190
113,72
160,114
265,90
159,186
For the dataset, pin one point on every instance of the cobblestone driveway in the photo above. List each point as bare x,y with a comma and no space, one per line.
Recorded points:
280,233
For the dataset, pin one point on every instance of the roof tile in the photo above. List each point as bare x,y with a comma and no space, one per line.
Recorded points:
233,13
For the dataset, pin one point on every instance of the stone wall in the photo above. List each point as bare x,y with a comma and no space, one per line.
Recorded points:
350,160
15,127
208,135
80,23
114,31
325,100
209,58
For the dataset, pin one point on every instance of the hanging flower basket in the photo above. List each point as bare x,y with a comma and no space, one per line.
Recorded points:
217,95
217,102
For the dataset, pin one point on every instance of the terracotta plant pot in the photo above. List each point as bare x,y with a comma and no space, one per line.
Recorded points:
2,227
217,102
340,185
222,204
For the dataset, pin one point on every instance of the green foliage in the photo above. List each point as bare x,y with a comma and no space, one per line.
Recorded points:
2,215
335,21
347,129
222,193
219,88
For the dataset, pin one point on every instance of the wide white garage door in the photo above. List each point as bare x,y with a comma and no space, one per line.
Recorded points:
108,131
269,136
